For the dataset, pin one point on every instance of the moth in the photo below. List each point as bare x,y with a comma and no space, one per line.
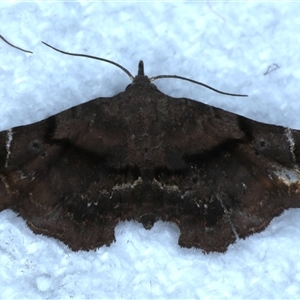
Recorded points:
145,156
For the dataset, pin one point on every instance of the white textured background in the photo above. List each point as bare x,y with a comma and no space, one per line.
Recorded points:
227,45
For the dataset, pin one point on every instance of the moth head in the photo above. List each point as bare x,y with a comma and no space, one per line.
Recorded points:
141,79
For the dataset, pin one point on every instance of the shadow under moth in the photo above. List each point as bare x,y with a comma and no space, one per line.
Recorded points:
142,155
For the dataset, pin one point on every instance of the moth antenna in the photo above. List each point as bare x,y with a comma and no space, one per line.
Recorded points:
7,42
197,82
141,71
94,57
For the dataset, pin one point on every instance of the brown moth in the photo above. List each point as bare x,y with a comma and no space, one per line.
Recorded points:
142,155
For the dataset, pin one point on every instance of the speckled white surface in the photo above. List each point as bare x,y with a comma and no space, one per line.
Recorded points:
226,45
